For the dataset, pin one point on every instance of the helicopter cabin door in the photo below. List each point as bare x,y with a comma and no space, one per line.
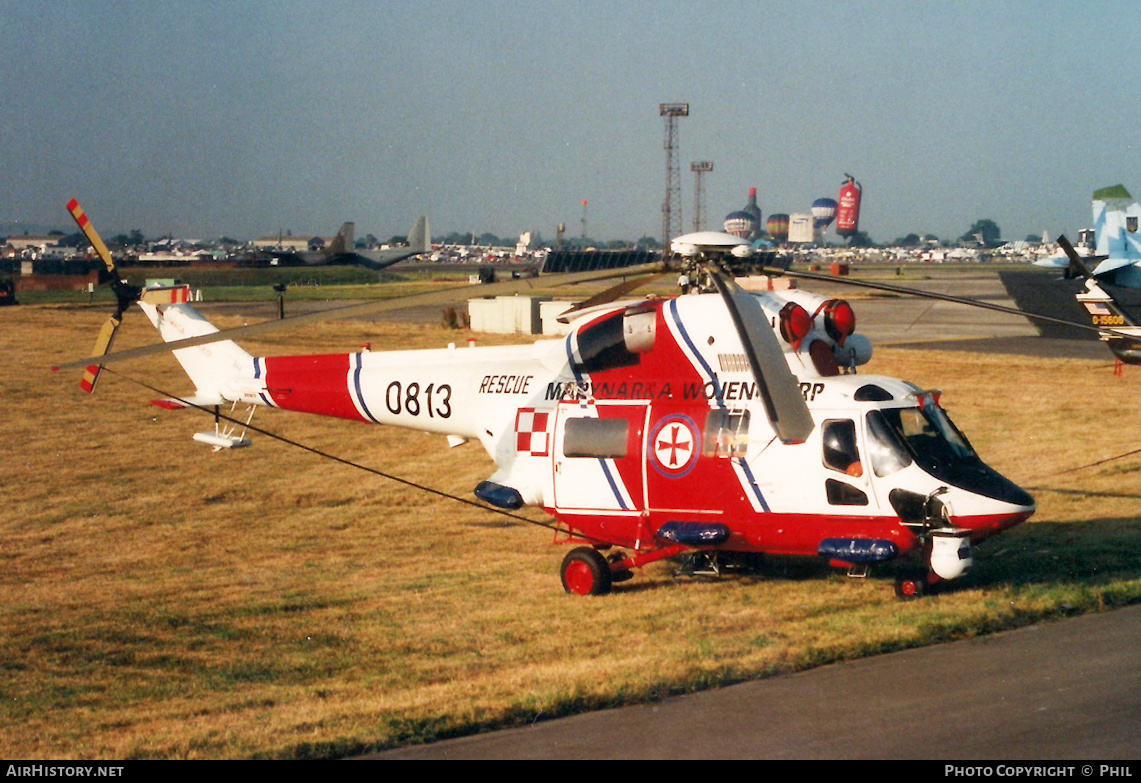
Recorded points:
694,462
597,456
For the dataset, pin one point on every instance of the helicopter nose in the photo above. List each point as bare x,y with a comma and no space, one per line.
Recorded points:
1003,504
988,524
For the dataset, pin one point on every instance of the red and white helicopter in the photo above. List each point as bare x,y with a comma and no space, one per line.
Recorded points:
722,422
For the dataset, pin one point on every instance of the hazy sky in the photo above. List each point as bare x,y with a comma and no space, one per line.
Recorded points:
244,118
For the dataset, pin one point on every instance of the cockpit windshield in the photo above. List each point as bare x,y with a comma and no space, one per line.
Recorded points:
925,435
897,436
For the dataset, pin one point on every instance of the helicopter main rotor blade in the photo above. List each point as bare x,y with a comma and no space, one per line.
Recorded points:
375,307
918,292
609,295
1076,263
779,388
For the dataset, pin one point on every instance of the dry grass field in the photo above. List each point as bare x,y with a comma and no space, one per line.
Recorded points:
158,600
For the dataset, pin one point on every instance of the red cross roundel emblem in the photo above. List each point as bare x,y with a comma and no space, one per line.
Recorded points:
674,445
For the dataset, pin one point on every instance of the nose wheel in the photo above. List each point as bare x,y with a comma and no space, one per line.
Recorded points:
908,588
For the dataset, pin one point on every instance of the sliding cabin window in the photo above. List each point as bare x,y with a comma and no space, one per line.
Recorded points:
598,438
726,433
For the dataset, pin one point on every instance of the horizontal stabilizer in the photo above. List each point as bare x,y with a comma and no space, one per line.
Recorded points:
194,401
1112,265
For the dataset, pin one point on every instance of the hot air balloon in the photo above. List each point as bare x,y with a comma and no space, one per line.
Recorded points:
823,212
777,225
742,224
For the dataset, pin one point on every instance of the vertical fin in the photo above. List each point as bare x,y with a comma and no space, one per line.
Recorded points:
1115,221
420,240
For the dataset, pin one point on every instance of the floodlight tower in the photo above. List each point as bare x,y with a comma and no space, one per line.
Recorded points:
699,167
671,207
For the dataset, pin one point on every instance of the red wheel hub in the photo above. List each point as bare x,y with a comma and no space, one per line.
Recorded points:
580,579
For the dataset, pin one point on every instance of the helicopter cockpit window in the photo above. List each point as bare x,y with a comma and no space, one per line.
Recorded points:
726,433
599,438
926,433
840,452
886,451
949,433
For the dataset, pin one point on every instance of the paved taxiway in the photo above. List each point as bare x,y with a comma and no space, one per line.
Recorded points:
1064,690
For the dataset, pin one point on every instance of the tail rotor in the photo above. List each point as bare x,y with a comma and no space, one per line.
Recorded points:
125,295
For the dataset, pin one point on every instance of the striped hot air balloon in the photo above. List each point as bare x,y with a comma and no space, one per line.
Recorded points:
823,212
741,224
777,226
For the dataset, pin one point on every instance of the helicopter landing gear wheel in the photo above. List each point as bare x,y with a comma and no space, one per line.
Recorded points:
586,572
910,586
